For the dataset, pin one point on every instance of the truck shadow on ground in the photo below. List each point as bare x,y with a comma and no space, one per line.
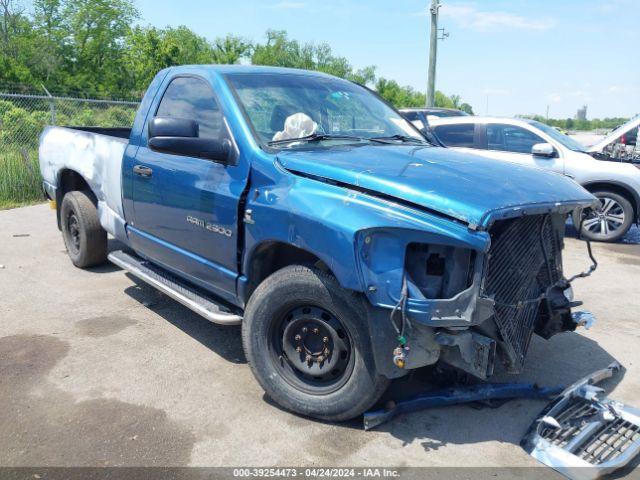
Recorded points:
561,361
224,340
108,267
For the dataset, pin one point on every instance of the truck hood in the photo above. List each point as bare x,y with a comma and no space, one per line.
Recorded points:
463,186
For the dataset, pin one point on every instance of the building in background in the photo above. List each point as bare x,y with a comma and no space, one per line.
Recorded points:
581,114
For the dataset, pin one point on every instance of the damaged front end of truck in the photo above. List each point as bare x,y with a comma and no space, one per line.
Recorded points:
456,267
468,307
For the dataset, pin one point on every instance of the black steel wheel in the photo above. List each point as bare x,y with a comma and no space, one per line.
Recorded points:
73,225
84,237
307,342
312,349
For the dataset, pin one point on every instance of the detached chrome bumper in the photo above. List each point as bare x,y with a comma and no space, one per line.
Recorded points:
582,436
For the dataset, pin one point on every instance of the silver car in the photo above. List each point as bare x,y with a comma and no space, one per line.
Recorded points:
615,183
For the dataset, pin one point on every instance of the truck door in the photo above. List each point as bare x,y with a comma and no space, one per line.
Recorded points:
185,209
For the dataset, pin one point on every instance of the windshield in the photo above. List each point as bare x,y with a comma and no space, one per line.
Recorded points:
289,110
565,140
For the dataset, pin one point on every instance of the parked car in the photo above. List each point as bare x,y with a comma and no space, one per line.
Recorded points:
620,145
421,117
304,208
528,142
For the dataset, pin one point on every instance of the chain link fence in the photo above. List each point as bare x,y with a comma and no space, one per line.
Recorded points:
22,118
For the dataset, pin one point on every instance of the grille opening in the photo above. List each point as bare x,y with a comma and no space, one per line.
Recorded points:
523,261
439,271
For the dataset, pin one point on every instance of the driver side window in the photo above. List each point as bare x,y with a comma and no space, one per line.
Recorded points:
192,99
509,138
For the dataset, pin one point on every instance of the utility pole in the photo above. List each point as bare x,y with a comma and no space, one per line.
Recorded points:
433,51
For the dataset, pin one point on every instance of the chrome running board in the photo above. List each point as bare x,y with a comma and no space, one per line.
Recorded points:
191,297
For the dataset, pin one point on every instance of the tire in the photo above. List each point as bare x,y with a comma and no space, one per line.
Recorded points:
84,237
610,222
296,300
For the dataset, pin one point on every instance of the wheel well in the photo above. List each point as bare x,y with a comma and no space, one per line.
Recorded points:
619,189
69,181
270,257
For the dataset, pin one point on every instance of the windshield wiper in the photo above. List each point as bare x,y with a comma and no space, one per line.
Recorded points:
400,138
317,137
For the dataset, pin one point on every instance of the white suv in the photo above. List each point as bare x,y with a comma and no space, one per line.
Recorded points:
615,183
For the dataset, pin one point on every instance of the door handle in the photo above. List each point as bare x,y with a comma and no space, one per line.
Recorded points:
142,171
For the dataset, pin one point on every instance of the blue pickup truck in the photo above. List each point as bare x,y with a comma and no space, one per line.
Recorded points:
306,209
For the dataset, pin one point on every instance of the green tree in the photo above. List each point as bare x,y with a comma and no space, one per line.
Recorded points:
399,96
363,76
52,31
465,107
97,28
149,49
88,47
17,44
280,51
443,101
230,49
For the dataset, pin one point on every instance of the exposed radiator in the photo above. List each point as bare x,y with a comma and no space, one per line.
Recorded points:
523,262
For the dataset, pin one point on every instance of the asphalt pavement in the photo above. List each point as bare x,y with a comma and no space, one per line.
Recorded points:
97,369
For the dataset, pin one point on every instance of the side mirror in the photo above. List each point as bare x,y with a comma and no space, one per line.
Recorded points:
543,150
173,127
180,136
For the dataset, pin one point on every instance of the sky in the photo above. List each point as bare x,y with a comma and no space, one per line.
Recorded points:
503,57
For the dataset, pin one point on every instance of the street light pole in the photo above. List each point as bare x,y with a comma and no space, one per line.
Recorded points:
433,51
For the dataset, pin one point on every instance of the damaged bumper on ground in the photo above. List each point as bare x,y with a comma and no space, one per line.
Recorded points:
479,296
584,437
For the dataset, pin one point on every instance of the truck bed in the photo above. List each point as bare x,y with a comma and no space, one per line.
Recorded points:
119,132
96,154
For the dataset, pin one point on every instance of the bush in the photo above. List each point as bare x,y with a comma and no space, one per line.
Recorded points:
20,180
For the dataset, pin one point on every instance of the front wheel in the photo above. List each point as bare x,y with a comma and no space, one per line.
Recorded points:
609,222
307,343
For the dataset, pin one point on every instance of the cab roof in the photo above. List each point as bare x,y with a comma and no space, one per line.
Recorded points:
253,69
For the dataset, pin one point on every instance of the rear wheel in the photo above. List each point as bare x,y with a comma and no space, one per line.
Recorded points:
609,222
307,343
84,237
